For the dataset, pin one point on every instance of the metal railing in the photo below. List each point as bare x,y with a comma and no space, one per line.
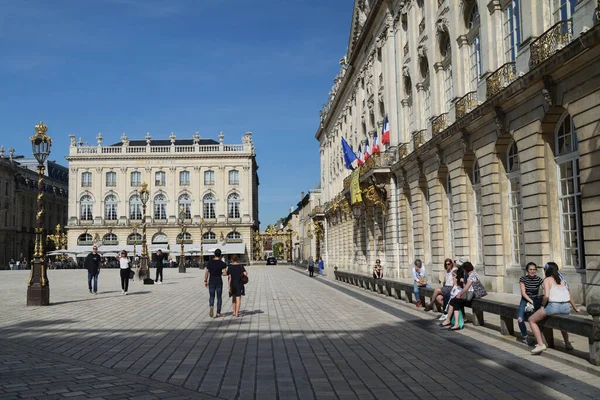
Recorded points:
418,139
466,104
439,123
500,79
551,41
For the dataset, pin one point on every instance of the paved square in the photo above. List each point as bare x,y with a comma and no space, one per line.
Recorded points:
297,338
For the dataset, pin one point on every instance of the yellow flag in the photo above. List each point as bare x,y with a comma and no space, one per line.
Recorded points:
355,196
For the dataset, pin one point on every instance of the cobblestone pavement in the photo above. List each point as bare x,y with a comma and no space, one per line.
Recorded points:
297,338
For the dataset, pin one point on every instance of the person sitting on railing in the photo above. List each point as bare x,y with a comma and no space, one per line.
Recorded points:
441,295
557,300
530,287
419,280
377,270
463,297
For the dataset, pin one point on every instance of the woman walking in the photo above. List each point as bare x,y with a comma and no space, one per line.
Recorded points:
236,274
125,266
557,300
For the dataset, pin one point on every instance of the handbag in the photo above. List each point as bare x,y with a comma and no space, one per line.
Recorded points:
467,296
245,279
131,273
478,289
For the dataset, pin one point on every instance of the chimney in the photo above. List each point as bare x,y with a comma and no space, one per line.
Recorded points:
302,195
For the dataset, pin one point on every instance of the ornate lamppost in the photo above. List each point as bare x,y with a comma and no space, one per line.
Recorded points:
202,226
38,287
289,252
144,265
134,231
183,231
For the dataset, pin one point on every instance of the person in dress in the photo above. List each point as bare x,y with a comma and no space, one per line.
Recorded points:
125,268
235,273
557,300
530,288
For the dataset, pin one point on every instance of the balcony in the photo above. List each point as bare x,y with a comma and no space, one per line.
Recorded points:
551,41
466,104
501,78
402,150
440,123
418,138
421,26
377,161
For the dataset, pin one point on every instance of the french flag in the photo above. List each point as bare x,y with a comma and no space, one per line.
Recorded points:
367,152
375,148
385,136
359,156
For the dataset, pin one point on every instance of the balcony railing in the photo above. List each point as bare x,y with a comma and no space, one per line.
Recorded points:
234,240
418,138
500,79
421,26
440,123
406,49
402,150
466,104
551,41
377,160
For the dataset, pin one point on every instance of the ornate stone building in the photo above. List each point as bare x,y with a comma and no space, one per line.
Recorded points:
207,180
495,139
18,204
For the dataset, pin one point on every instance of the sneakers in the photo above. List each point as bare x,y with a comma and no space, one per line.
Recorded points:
122,292
538,349
159,283
525,340
91,291
219,315
211,313
126,293
568,346
419,304
95,292
443,317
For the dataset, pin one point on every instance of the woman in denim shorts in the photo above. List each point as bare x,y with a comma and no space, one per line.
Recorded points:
557,300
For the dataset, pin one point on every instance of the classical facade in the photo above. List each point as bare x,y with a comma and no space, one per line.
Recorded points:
494,110
193,181
18,204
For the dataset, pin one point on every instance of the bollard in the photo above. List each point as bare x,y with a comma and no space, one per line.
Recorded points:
594,311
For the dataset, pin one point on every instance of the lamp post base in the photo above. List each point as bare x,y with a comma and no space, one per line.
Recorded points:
38,295
182,268
148,281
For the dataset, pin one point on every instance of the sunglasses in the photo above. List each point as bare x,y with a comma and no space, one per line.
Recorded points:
448,263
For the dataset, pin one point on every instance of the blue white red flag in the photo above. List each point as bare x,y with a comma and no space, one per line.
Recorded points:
359,156
367,152
385,136
375,148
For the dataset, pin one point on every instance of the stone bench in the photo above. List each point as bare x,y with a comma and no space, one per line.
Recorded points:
507,311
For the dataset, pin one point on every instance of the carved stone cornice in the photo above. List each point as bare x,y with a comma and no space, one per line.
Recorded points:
549,91
500,121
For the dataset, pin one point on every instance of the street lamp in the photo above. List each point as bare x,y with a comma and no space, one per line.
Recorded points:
134,231
289,250
144,266
202,225
38,288
182,216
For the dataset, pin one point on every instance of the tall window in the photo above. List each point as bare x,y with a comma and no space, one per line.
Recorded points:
475,68
208,206
234,235
86,179
513,173
110,207
233,206
427,97
209,177
569,193
562,10
450,205
184,178
234,177
160,178
135,207
511,22
448,86
136,178
476,183
160,206
87,208
111,178
185,204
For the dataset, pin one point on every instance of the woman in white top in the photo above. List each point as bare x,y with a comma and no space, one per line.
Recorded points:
125,266
557,300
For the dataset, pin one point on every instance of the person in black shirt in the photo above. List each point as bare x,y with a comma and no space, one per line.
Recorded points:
92,264
214,282
160,261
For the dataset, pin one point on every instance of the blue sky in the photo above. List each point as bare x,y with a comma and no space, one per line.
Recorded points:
135,66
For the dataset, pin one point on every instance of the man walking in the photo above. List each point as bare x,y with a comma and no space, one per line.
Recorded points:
12,264
92,264
214,282
160,262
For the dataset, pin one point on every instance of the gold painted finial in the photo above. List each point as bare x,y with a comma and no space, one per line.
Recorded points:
41,128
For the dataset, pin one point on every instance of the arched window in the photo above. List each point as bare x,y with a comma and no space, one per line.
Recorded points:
86,208
208,206
511,30
234,236
234,177
569,193
185,205
209,237
110,207
135,207
475,67
136,178
450,212
85,239
513,173
110,238
424,69
187,238
233,206
160,178
111,179
160,238
160,206
134,238
476,184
